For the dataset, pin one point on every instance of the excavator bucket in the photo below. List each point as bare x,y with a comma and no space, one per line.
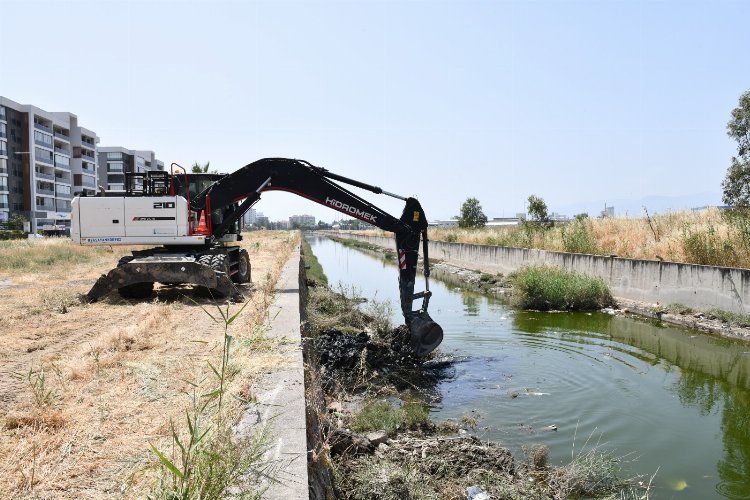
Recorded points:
426,335
164,271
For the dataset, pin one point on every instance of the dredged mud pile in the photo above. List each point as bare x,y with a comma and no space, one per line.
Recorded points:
351,362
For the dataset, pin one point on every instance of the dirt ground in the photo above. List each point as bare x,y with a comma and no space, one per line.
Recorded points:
85,388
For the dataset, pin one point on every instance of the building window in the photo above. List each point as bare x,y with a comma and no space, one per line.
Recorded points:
114,166
3,148
3,166
2,112
3,130
62,189
114,156
3,183
62,160
42,155
4,201
116,187
43,139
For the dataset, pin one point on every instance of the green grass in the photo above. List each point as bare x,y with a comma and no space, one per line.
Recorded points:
729,317
551,288
315,271
40,255
381,415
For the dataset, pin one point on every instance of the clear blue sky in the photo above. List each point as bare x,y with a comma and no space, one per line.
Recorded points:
575,101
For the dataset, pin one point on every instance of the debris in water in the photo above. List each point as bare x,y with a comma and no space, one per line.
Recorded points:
678,484
476,493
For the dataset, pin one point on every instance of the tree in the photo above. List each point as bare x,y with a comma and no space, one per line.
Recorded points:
736,184
537,210
202,169
471,214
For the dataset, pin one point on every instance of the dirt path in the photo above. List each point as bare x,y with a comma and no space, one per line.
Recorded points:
114,372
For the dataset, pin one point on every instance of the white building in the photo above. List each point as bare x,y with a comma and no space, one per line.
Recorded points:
45,159
115,161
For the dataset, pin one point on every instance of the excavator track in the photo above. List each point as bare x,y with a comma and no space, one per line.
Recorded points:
165,269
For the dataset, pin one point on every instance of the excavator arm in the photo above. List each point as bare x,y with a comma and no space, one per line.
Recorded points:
245,186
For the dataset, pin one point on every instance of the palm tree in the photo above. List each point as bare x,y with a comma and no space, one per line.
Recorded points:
200,169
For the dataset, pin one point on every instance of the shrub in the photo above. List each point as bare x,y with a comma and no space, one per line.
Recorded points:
578,237
550,288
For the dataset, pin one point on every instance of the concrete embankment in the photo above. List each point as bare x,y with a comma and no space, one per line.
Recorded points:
280,394
699,287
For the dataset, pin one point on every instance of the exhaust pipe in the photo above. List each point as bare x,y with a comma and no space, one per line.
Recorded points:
426,335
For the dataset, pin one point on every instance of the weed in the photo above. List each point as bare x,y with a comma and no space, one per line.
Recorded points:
742,320
44,395
470,421
550,288
678,308
315,270
381,415
537,455
59,300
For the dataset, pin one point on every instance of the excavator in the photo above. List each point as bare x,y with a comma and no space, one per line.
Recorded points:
194,219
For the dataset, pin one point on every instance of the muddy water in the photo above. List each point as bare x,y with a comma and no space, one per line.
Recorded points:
667,398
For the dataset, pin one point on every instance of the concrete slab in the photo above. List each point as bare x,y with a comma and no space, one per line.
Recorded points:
281,395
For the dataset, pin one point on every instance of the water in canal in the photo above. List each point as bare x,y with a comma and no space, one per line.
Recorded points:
670,399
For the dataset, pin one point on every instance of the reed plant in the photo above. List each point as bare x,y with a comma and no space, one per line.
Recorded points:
546,288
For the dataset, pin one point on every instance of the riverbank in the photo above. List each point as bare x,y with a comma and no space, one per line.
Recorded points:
709,320
370,398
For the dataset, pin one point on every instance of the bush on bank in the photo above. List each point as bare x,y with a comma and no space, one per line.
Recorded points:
546,288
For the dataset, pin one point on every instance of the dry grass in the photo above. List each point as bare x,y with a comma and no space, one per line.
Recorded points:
705,237
117,370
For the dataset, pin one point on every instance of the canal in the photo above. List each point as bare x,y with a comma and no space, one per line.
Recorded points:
666,399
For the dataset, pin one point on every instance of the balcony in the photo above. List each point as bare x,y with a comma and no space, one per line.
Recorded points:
42,127
62,151
3,135
3,170
4,205
42,159
87,181
45,192
43,144
62,135
49,207
43,175
63,196
87,154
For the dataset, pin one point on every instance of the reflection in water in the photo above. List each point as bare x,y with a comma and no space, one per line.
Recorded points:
471,304
678,400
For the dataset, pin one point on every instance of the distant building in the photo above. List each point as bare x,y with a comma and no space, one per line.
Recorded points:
301,220
608,212
45,159
443,223
250,216
115,161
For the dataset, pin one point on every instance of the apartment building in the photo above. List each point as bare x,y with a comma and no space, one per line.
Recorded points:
301,220
45,159
115,161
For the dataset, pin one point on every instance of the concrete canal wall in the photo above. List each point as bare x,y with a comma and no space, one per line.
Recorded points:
700,287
